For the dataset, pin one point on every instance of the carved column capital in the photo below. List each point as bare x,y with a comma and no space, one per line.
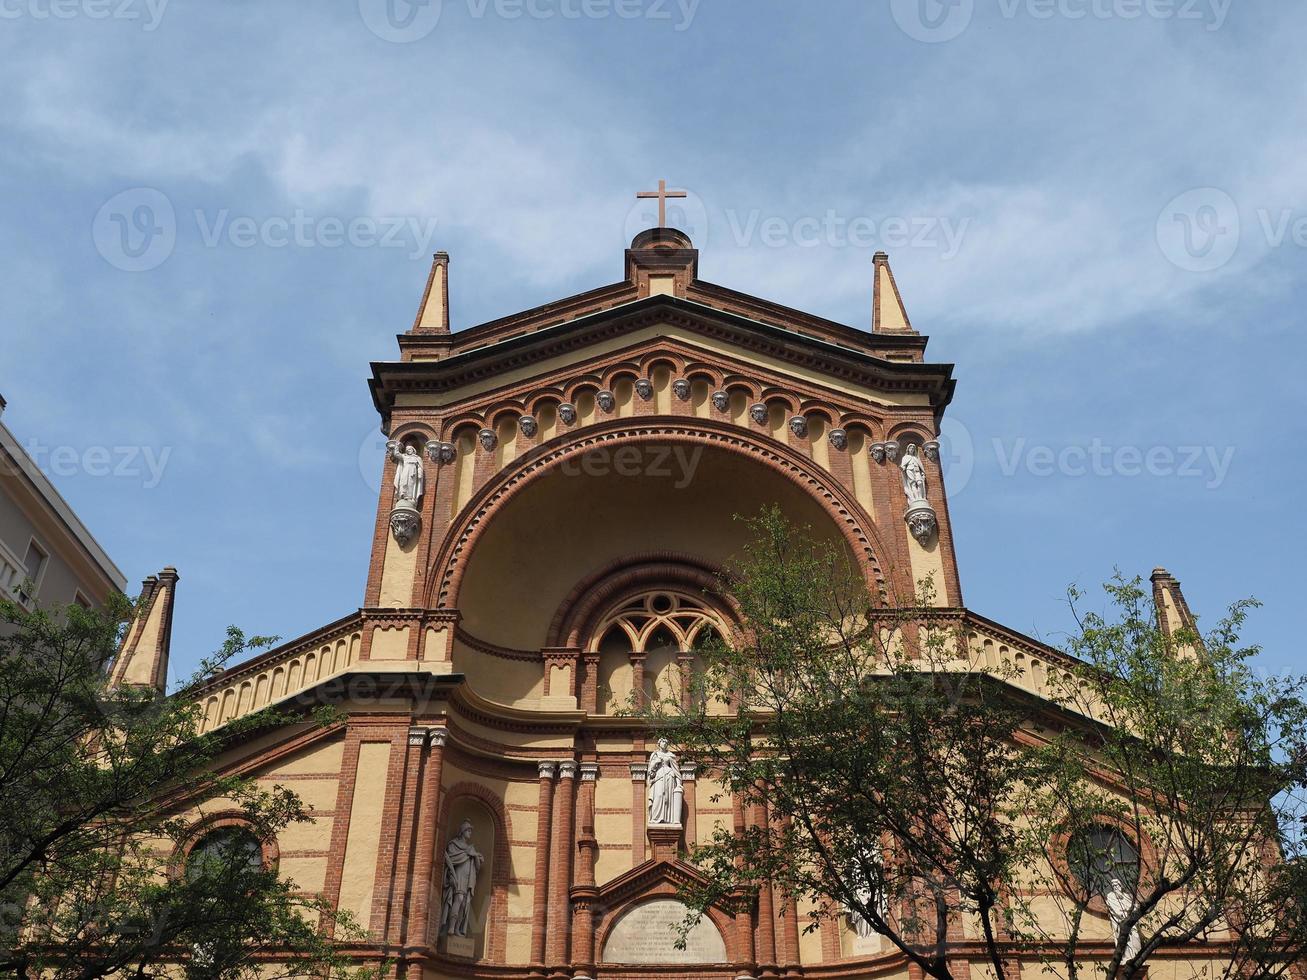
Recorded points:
589,772
639,772
547,769
567,769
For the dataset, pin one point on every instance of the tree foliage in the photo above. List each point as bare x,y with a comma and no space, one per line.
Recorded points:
95,790
883,768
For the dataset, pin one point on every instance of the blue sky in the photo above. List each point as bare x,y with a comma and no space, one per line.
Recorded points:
215,215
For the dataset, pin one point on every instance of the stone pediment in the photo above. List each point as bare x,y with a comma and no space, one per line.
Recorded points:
637,915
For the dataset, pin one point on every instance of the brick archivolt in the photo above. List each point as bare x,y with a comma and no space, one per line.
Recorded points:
848,516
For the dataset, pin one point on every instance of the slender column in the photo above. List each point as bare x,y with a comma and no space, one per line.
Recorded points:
789,941
560,868
689,772
425,883
540,899
584,892
590,683
766,909
745,963
401,882
685,673
639,811
637,680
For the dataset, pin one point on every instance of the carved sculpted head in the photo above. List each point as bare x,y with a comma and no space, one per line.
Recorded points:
606,400
644,388
487,439
758,413
839,439
681,388
441,452
721,400
465,830
567,412
799,426
931,449
528,425
891,450
878,452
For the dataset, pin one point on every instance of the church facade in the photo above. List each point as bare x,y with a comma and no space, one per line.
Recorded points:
558,499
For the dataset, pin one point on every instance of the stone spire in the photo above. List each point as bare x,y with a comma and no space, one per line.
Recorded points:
433,313
887,312
1173,612
142,659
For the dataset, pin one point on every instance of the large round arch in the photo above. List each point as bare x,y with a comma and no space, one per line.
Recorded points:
623,487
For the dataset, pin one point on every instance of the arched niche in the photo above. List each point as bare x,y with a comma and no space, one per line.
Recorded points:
488,839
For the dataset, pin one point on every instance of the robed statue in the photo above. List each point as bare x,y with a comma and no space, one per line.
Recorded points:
665,787
1120,906
409,480
462,864
914,474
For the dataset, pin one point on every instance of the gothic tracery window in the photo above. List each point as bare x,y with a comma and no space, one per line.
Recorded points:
648,641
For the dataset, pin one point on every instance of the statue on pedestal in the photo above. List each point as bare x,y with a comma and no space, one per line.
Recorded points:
462,864
409,480
914,474
666,790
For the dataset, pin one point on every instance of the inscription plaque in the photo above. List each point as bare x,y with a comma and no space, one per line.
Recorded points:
648,934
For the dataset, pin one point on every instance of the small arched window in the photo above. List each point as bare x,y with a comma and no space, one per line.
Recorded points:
1100,853
224,851
662,628
660,620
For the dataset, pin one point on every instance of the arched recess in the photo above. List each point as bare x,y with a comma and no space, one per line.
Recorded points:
533,532
471,801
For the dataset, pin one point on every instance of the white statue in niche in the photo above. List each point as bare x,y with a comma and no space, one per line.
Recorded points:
409,479
1120,905
666,790
462,865
867,896
914,474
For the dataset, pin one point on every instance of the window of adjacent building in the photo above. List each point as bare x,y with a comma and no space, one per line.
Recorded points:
33,565
1101,853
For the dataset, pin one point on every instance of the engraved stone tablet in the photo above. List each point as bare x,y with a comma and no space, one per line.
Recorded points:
648,934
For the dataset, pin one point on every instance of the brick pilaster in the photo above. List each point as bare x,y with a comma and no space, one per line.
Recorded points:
560,870
419,931
540,898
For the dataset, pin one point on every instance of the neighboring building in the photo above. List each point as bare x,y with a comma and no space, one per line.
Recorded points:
47,556
559,491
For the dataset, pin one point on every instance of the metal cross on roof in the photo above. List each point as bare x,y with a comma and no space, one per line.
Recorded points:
662,194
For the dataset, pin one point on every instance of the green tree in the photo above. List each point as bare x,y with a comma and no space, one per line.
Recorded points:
94,784
911,784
